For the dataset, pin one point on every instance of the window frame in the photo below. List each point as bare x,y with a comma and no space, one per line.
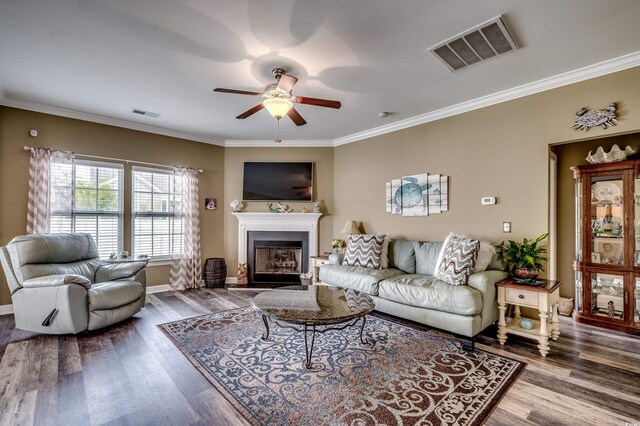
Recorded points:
173,215
73,213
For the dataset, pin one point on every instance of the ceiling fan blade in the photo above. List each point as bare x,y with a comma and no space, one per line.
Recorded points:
296,117
318,102
250,112
286,83
237,92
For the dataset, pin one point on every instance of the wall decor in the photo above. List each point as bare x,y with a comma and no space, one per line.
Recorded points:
210,203
421,194
413,193
614,154
604,118
396,196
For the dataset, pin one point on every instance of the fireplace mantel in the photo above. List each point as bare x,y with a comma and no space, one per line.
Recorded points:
262,221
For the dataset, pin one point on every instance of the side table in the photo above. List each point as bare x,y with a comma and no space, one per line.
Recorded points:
544,298
316,262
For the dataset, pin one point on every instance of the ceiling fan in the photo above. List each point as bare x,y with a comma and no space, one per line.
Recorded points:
279,99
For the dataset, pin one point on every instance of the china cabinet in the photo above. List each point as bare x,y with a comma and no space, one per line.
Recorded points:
607,265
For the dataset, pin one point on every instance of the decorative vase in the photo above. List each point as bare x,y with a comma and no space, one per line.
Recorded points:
526,324
525,276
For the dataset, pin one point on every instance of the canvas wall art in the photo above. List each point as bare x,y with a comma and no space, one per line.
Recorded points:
414,190
420,194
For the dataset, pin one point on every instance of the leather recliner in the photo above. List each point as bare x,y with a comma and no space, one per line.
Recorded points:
59,285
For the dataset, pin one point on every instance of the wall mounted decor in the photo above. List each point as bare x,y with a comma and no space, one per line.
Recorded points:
614,154
417,195
604,118
413,193
210,203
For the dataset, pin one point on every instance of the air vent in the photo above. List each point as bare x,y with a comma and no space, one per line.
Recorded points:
475,45
147,113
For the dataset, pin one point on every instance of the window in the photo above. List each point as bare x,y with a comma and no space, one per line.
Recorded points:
157,225
86,196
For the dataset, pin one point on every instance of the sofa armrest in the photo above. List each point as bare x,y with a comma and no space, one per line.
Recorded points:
56,280
485,283
117,271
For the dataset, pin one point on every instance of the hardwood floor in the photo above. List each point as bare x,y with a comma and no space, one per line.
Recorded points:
132,374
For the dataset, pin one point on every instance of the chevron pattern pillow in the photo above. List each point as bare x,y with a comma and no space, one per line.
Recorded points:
364,250
458,258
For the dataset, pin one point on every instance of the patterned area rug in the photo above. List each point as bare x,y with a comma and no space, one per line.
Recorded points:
407,377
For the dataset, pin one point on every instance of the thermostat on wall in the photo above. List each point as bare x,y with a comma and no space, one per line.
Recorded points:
488,201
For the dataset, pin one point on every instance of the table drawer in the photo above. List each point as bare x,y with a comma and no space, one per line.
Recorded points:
522,297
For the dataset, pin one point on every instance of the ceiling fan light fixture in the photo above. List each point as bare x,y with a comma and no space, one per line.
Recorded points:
277,107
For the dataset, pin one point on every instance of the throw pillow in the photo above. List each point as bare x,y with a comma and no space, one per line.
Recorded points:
485,254
364,250
457,259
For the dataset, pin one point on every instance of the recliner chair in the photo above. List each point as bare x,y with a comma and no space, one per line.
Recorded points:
59,285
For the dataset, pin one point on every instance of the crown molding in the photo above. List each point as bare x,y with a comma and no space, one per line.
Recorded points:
581,74
261,143
101,119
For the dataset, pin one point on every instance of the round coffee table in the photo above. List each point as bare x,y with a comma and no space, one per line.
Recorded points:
313,309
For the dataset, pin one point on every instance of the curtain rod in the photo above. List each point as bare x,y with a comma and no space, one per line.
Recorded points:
97,157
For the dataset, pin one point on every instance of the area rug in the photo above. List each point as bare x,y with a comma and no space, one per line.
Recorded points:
409,376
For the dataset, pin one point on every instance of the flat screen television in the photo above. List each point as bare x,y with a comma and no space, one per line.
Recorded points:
277,181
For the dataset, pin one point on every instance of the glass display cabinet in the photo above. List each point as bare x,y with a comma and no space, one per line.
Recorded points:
607,263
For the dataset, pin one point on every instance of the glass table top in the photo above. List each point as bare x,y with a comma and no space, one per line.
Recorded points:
313,304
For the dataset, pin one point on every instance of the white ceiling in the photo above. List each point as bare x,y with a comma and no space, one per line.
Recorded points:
105,57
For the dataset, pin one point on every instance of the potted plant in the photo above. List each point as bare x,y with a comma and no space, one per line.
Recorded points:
525,258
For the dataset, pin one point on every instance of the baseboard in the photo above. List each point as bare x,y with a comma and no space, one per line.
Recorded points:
158,288
6,309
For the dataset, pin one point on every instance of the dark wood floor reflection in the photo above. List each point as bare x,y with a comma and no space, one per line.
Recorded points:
132,374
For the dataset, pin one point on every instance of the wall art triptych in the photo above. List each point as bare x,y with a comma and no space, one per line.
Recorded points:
417,195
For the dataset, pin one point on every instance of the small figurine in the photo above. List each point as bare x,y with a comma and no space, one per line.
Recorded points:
236,205
611,309
280,208
113,256
302,210
242,274
316,207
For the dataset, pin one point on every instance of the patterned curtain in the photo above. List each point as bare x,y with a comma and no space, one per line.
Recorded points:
38,206
186,270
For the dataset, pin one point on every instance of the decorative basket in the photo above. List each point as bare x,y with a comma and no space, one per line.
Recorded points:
565,306
215,272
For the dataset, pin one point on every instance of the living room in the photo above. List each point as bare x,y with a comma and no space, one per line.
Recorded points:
500,129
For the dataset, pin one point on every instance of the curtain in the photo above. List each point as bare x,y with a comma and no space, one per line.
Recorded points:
38,206
186,269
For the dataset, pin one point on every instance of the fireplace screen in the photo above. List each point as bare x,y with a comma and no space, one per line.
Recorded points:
278,260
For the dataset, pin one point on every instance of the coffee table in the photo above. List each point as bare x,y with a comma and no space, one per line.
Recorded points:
313,309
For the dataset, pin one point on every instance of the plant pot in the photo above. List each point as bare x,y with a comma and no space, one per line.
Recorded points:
525,276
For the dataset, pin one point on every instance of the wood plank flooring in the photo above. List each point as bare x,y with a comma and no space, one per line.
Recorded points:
132,374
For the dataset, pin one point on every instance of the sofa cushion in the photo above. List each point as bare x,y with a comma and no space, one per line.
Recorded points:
364,250
355,277
113,294
426,257
402,256
429,292
458,257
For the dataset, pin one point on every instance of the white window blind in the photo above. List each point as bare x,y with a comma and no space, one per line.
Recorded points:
86,196
157,224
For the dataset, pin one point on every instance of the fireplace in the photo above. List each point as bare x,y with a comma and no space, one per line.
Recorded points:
277,257
284,234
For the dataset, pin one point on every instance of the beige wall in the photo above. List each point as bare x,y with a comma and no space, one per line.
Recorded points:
97,139
569,155
234,159
499,151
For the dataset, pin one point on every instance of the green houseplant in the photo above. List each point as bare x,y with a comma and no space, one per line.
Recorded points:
525,258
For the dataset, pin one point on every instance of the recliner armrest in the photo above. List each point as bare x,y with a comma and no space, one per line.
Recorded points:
117,271
56,280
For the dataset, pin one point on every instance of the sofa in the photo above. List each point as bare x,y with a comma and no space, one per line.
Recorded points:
59,285
408,289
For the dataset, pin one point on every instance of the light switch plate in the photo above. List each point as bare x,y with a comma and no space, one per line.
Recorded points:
506,227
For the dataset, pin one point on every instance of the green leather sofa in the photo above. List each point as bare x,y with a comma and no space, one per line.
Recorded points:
408,289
